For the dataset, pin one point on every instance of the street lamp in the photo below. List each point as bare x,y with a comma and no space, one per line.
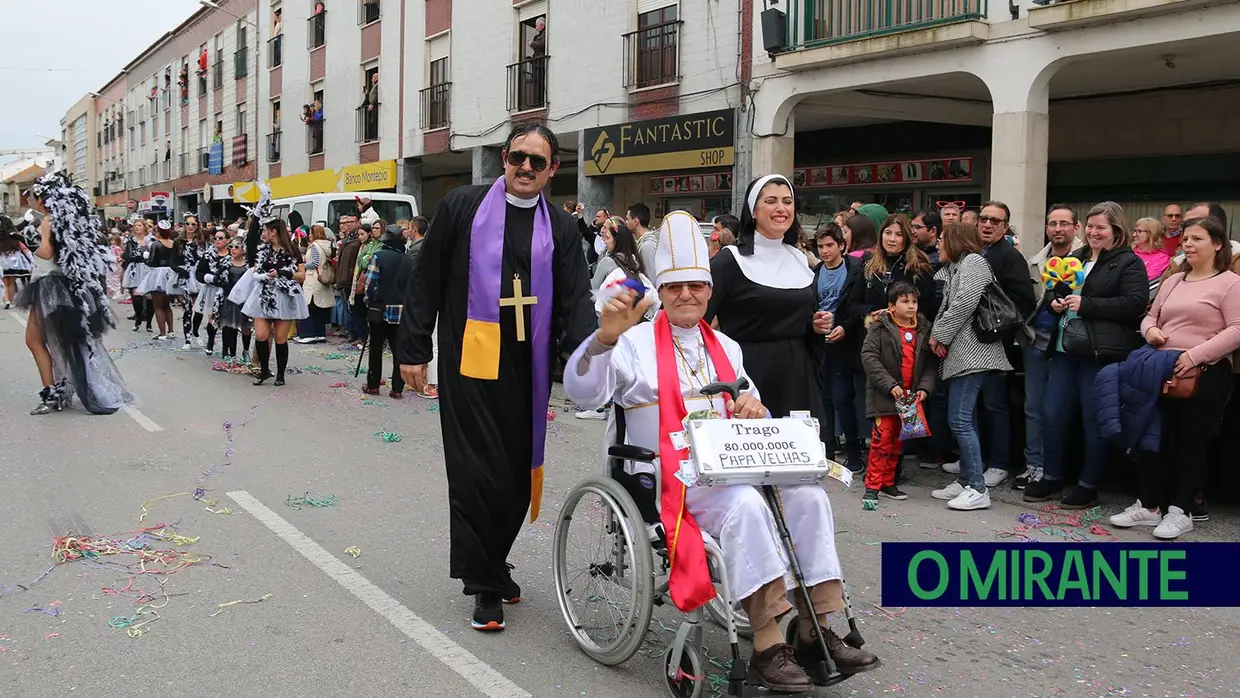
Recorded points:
258,56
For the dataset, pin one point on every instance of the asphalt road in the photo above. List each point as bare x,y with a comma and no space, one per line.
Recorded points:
390,622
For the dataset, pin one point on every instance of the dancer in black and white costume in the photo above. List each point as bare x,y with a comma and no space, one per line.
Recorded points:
270,292
226,313
68,303
133,254
16,260
165,276
211,273
195,248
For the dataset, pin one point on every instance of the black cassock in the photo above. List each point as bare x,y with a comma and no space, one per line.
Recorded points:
488,425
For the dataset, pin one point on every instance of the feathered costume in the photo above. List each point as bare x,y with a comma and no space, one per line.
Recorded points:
280,298
68,299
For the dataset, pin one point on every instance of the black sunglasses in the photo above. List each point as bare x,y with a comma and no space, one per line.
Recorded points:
516,158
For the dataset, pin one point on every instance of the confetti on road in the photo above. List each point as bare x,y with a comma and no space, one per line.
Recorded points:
220,607
307,499
389,436
353,550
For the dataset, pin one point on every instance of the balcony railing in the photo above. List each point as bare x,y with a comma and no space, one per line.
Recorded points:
822,22
527,84
317,30
240,64
273,146
217,74
436,106
368,123
314,137
368,11
204,159
652,55
275,57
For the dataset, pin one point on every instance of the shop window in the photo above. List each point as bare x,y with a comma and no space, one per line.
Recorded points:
652,53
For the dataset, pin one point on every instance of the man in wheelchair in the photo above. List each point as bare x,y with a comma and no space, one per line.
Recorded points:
654,372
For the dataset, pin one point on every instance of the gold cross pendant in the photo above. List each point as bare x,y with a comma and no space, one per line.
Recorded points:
518,301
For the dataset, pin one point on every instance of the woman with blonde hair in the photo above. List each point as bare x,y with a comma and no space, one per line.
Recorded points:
1099,324
1147,244
318,291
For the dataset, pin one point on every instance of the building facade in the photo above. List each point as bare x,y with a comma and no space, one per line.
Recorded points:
81,139
177,126
909,103
917,102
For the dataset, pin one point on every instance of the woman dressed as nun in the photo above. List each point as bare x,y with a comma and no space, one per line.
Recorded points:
270,292
133,254
68,303
165,276
211,273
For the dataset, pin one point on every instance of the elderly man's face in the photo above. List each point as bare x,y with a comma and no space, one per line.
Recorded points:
685,303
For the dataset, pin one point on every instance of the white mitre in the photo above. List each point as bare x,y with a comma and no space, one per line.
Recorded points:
682,255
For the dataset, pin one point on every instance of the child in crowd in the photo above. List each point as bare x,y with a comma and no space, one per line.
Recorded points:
899,366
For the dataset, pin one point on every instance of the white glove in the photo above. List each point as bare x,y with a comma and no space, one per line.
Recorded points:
209,278
146,254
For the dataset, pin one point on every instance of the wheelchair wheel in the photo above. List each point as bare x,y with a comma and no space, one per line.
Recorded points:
690,681
602,561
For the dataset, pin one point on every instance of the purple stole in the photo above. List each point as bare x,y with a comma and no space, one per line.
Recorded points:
480,345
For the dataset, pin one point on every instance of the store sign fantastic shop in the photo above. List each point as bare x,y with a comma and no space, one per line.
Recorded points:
684,142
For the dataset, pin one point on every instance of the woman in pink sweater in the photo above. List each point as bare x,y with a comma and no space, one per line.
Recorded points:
1197,312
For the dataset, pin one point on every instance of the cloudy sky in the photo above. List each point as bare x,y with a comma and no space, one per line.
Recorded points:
58,50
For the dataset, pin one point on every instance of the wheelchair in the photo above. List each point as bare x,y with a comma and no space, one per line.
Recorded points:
608,598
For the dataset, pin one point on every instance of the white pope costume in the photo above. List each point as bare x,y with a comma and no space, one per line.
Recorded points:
735,516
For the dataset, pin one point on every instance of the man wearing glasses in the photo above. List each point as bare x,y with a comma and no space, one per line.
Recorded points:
502,272
1012,273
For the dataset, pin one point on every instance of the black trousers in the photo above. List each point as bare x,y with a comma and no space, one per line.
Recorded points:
380,333
1178,472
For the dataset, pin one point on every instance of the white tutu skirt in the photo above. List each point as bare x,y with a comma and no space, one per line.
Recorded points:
190,285
288,306
80,361
231,316
135,272
162,280
205,302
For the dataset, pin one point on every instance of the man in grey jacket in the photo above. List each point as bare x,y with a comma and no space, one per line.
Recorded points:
414,234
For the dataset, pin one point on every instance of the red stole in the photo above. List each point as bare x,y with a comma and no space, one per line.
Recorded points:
690,586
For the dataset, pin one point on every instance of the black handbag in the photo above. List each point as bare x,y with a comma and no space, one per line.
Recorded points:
996,318
1076,338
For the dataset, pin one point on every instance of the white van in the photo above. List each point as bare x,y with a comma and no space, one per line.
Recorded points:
326,209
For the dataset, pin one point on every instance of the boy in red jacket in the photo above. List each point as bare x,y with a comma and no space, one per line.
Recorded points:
898,364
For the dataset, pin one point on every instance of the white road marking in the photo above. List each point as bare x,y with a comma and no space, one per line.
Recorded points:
455,657
143,421
21,320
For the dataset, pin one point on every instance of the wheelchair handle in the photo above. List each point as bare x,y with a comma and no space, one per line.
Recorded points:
732,390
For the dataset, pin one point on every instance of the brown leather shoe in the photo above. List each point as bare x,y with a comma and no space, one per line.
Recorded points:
849,660
776,669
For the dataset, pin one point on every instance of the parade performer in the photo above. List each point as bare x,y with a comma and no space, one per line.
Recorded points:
134,256
68,303
270,293
165,276
196,247
227,313
502,270
211,272
16,260
655,371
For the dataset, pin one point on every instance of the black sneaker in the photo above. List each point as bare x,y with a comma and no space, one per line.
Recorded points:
1031,474
893,492
1079,498
1199,513
488,613
512,590
870,495
1042,490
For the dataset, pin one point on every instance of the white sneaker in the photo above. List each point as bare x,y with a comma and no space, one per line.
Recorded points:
591,414
994,476
1136,515
1174,525
950,492
187,346
952,467
970,500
